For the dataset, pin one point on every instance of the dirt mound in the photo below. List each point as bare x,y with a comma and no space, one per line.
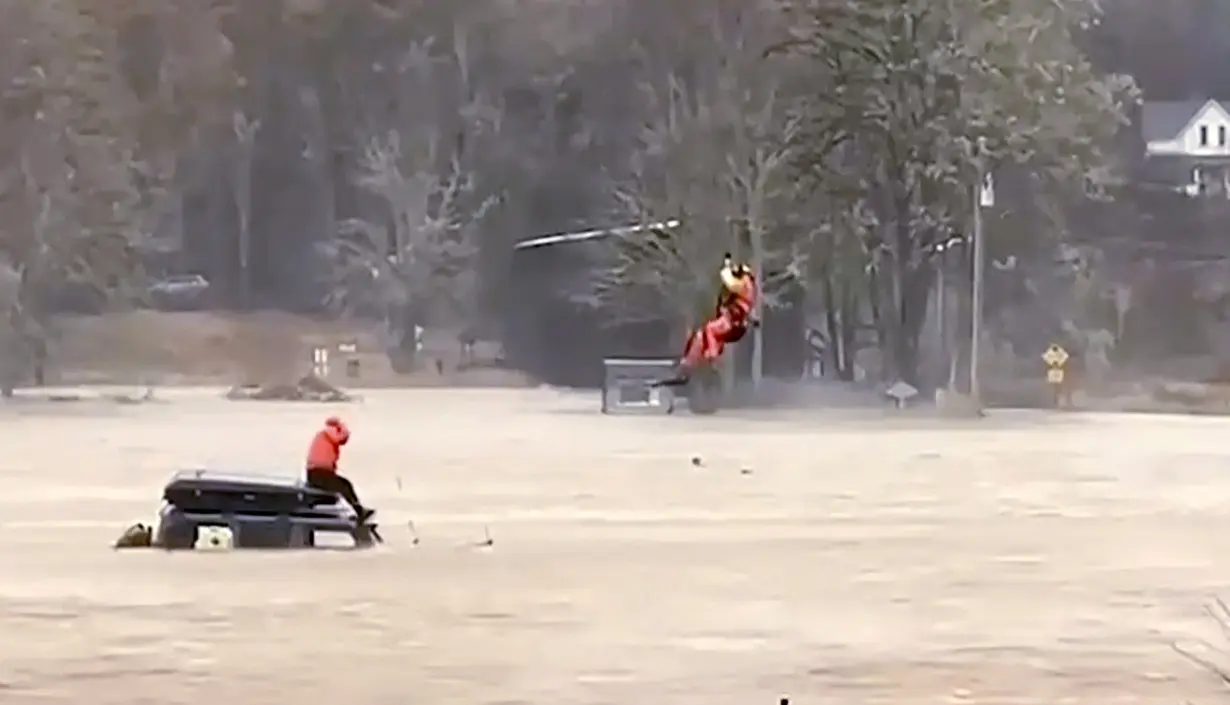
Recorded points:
307,388
1194,397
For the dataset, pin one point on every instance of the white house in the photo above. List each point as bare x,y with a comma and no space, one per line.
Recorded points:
1187,143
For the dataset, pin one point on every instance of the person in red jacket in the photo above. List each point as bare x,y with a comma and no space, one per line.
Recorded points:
322,460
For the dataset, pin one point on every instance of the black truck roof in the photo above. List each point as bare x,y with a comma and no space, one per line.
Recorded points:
219,481
215,491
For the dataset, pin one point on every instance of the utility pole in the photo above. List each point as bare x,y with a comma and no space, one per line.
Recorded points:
757,246
941,300
984,196
949,356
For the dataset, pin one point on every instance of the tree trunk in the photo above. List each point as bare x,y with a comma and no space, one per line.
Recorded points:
916,292
904,337
9,357
757,247
831,319
848,325
878,321
243,209
245,257
961,327
841,322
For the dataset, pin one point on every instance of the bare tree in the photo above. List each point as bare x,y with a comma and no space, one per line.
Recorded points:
72,194
831,238
1205,655
422,252
712,157
923,98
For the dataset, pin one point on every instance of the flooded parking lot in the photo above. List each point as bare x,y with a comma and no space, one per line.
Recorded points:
1030,559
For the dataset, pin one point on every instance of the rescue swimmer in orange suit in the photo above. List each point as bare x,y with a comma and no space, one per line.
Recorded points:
732,317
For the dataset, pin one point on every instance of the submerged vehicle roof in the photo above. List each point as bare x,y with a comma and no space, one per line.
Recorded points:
222,479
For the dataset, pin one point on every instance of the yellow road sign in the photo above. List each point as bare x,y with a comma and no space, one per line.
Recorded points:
1054,375
1055,356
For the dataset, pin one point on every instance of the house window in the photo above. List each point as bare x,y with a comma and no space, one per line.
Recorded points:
1221,135
1204,135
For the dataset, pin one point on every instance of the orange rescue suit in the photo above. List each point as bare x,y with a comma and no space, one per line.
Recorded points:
735,307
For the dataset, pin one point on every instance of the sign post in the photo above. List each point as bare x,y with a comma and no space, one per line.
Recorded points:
320,362
1056,360
901,393
984,197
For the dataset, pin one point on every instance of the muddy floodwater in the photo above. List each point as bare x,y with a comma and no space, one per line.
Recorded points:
1031,558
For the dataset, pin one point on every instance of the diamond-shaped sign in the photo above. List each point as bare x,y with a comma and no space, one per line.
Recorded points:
901,392
1055,356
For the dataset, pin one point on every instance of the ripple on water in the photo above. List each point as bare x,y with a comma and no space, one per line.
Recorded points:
723,643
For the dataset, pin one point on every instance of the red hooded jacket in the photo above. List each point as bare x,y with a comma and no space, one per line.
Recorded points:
326,448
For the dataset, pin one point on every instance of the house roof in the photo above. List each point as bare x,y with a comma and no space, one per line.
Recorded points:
1165,120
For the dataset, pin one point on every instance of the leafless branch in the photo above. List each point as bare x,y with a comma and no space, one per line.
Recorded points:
712,158
1220,614
425,253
